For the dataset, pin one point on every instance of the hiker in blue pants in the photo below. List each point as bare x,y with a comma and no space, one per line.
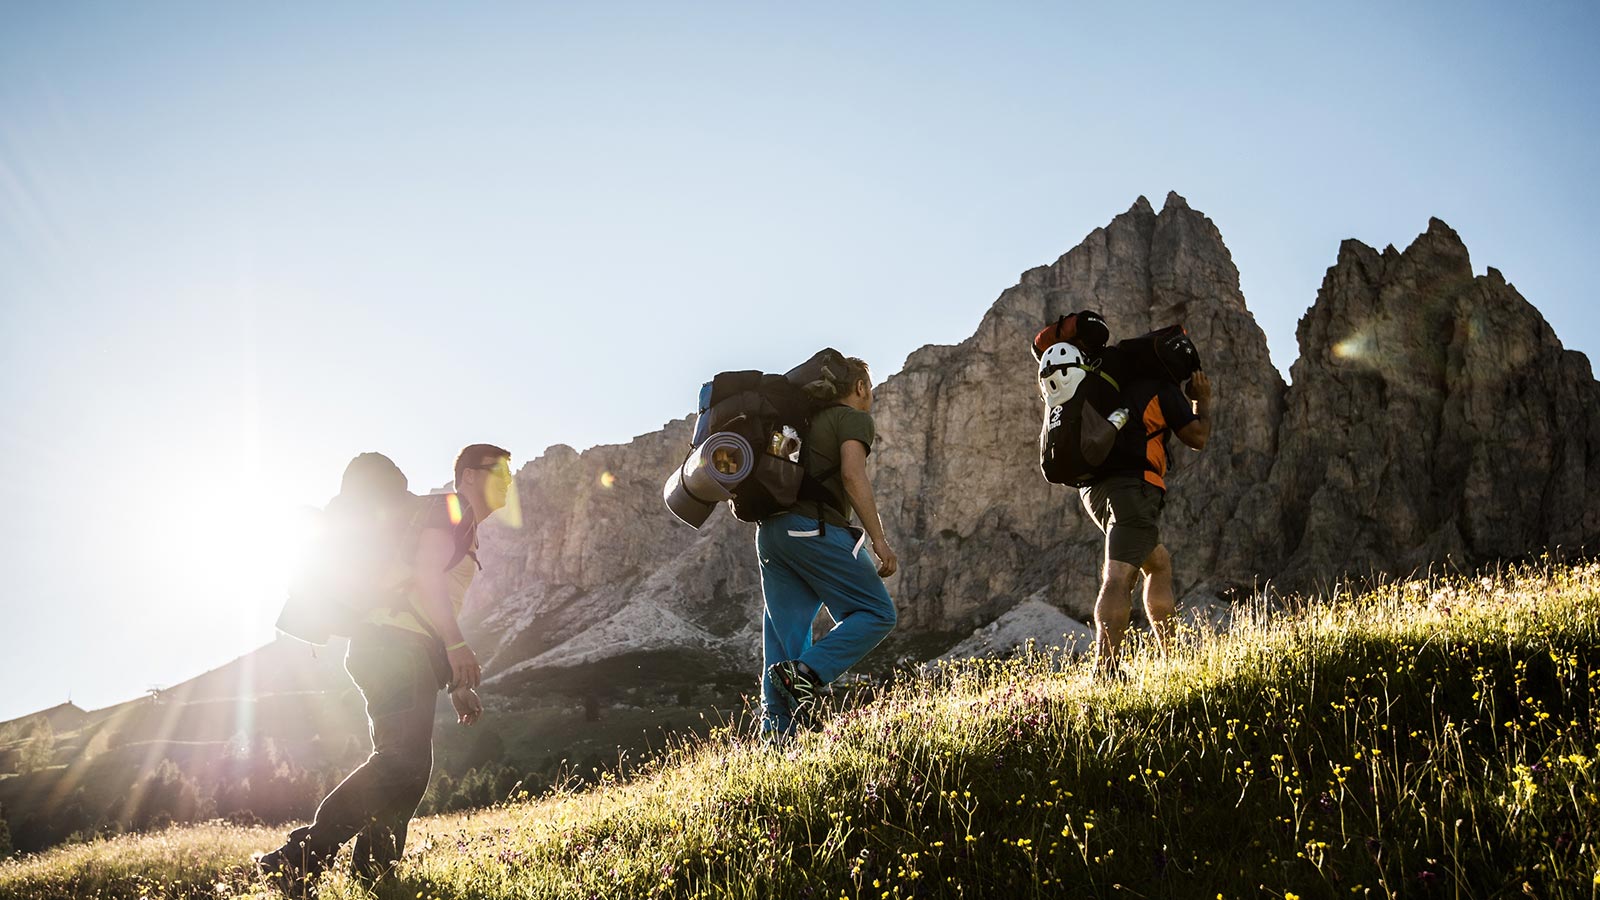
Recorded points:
812,557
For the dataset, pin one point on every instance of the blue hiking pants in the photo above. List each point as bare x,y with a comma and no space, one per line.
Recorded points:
803,569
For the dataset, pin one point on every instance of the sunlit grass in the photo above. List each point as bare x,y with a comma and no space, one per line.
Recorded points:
194,861
1431,737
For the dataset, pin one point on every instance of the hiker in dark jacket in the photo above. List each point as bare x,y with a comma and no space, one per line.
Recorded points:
1125,500
812,557
400,659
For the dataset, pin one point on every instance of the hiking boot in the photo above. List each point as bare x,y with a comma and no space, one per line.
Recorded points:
293,868
798,687
373,857
282,874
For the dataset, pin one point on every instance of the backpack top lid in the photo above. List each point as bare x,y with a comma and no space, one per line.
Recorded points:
822,376
1174,352
372,476
372,486
1085,330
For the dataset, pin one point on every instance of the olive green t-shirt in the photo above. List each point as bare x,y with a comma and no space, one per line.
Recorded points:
829,430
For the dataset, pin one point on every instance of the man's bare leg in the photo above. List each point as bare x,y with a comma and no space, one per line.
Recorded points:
1111,611
1159,605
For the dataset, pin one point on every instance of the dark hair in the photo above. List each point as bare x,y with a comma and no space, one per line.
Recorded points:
478,455
371,476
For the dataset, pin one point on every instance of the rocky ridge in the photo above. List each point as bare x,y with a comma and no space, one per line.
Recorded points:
1433,416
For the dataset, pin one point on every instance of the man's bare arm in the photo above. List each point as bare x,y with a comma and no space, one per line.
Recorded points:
853,468
434,551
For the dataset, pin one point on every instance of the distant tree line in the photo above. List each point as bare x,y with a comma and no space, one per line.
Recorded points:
253,781
31,746
5,834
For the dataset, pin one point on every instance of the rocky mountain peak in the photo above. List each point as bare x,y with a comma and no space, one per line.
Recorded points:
1433,416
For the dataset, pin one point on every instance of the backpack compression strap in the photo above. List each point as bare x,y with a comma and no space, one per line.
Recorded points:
684,482
815,489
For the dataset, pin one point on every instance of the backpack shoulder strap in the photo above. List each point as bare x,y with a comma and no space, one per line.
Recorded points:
815,487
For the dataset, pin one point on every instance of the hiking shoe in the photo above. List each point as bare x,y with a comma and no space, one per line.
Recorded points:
282,874
294,868
373,858
797,687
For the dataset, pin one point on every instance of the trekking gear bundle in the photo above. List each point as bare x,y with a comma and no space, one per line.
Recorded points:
1081,381
1085,330
1166,353
749,438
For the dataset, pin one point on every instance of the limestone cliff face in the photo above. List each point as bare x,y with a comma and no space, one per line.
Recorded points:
601,569
958,465
1432,414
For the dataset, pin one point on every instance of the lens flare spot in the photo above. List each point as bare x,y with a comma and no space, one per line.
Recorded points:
453,504
608,480
511,513
1355,347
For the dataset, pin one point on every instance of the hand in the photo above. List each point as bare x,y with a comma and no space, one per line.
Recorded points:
464,669
1199,388
468,707
887,561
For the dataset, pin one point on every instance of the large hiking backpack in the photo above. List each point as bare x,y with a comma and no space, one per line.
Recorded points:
1164,354
1081,413
359,559
1082,380
749,442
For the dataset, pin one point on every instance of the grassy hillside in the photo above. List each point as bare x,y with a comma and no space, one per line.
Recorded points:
1429,739
262,738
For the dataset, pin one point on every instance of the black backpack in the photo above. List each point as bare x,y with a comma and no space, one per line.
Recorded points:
361,562
1080,432
1164,354
353,567
1080,395
772,413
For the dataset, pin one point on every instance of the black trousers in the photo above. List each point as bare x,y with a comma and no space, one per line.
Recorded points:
399,678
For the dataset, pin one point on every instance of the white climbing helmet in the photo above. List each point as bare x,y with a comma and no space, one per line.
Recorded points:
1060,372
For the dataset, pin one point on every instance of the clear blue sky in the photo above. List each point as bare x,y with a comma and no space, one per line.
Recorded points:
240,243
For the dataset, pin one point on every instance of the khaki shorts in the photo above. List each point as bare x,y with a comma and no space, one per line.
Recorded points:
1128,509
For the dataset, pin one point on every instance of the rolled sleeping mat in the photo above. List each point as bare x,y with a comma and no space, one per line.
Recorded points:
691,511
725,458
708,476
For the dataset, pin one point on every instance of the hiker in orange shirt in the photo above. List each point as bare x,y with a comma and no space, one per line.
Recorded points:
1125,500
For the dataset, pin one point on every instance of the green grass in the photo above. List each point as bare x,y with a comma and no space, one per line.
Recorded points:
1430,738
